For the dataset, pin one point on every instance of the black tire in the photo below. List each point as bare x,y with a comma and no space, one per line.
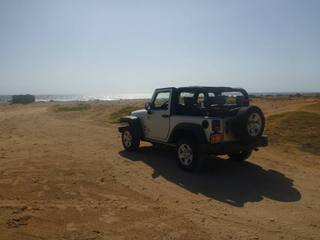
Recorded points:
188,164
133,144
240,156
249,124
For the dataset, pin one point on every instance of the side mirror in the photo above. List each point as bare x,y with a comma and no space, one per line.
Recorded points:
148,107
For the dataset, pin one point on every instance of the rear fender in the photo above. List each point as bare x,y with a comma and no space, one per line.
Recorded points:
192,129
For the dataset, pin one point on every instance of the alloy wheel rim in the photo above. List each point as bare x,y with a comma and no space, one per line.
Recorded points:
127,139
254,124
185,154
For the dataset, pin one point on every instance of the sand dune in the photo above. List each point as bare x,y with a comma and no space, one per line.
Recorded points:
64,175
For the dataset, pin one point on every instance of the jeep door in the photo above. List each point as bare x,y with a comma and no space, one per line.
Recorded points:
157,123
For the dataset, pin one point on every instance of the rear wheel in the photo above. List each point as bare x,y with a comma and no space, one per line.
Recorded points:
187,154
240,156
248,126
130,140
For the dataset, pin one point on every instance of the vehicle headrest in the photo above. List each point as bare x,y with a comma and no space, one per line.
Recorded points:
220,100
188,101
240,100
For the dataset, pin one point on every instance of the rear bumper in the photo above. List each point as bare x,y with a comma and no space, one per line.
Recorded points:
229,147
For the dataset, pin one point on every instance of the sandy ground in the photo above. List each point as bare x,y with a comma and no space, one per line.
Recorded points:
65,176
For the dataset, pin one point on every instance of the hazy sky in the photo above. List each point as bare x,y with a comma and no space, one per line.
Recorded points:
101,47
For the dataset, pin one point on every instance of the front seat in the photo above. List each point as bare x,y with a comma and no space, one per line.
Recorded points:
190,106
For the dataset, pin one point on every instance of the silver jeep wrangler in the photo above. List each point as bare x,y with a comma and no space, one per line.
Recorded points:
197,121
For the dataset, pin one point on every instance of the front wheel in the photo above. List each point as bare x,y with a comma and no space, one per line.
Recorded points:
130,140
240,156
187,155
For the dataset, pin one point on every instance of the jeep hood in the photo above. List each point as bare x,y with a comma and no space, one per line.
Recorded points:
139,113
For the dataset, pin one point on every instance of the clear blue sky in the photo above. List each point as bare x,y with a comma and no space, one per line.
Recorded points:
101,47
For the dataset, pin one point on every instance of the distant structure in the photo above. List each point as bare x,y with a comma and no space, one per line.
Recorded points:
23,99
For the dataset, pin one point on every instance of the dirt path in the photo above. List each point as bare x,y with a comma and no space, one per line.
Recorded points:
68,178
57,182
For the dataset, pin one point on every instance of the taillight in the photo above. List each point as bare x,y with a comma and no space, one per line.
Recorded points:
216,138
216,126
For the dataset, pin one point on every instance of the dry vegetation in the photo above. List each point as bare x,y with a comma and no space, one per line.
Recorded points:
297,127
300,127
72,107
100,112
116,115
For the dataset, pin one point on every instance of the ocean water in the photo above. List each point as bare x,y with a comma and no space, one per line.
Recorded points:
74,97
111,97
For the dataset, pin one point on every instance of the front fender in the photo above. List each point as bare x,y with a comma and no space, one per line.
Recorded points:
134,123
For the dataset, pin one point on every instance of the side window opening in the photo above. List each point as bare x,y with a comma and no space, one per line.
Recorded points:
211,99
233,98
226,98
188,104
161,101
184,97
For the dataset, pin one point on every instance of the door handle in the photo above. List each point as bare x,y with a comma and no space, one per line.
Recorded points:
165,115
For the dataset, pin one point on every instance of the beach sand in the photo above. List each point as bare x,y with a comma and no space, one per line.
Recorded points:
64,175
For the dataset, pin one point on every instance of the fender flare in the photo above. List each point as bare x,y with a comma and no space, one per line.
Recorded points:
134,123
188,128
